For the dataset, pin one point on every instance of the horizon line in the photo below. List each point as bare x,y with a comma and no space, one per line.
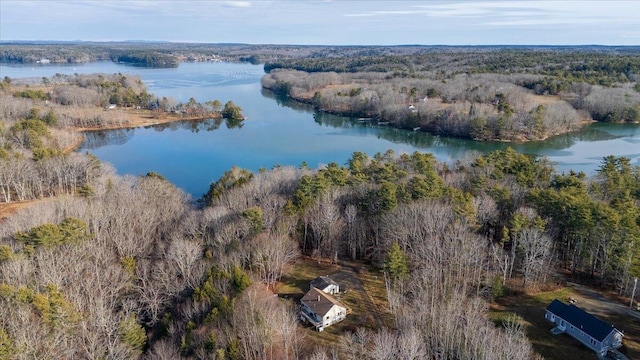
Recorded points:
40,41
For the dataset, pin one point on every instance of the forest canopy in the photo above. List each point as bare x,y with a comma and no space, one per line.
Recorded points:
102,265
499,94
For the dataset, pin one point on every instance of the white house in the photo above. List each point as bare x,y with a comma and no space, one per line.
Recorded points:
584,327
321,309
326,284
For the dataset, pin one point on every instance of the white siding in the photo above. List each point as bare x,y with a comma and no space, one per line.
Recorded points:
336,314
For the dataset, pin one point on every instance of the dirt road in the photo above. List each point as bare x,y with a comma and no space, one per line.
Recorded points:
599,305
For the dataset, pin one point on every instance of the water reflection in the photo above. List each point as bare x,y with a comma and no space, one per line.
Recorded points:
556,144
281,131
287,102
98,139
336,121
196,126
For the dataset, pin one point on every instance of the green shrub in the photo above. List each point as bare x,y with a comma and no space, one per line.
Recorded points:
70,230
32,94
132,333
255,217
5,253
239,279
6,291
497,288
24,295
7,348
129,264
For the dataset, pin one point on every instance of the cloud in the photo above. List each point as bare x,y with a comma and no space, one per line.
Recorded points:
236,4
567,13
386,12
325,21
534,22
464,9
525,13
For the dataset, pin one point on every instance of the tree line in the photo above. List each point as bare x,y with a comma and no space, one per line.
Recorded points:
145,58
132,269
83,52
36,131
589,62
596,66
517,106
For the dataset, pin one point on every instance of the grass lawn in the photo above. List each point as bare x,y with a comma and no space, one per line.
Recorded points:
362,292
295,281
373,283
531,308
631,329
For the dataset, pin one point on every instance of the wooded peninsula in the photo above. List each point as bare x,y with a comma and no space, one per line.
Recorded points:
433,261
504,95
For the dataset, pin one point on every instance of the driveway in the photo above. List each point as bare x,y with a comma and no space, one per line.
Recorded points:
627,319
599,305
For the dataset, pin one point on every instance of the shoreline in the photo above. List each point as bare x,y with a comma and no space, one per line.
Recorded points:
573,127
140,120
8,208
137,120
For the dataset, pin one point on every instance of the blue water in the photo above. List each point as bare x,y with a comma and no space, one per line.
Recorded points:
192,155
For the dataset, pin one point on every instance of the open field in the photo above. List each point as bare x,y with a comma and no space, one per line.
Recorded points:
531,308
362,290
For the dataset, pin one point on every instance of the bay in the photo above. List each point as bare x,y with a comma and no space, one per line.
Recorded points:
279,132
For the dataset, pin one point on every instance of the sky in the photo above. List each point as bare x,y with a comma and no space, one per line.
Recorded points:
326,22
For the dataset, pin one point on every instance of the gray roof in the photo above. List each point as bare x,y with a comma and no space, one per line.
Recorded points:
581,319
321,282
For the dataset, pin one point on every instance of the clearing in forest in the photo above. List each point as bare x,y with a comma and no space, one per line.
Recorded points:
362,290
531,308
